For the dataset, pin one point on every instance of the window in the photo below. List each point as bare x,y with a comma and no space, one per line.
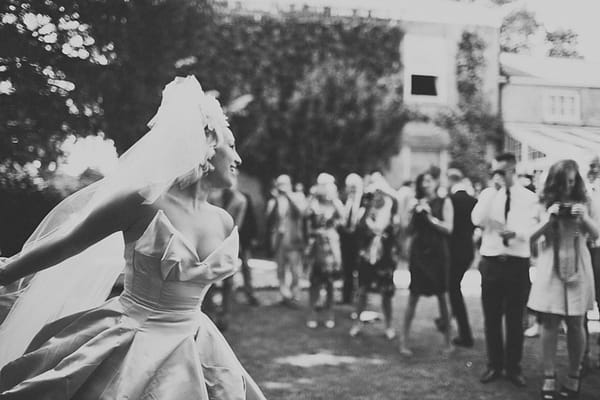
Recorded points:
562,106
426,68
514,146
424,85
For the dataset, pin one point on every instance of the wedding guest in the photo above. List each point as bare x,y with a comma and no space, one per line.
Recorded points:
324,214
506,212
378,253
285,211
462,252
593,189
564,284
431,226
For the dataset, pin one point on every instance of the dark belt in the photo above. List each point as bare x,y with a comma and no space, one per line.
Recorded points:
504,258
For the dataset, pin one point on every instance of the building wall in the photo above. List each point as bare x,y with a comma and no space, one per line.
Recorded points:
590,109
526,103
431,48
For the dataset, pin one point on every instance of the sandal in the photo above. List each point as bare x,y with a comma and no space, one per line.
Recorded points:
548,391
568,393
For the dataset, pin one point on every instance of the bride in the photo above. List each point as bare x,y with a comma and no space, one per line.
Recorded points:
60,340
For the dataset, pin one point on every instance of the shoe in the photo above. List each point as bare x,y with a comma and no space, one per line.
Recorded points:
330,324
405,351
449,350
390,333
568,393
355,330
517,379
311,323
441,325
490,375
548,391
458,341
290,303
253,301
533,331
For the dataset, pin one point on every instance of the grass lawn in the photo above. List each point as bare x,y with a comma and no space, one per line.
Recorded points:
290,361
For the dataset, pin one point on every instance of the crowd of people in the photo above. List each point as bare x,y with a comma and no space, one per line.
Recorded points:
358,235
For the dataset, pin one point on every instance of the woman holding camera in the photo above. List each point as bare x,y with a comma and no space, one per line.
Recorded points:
563,286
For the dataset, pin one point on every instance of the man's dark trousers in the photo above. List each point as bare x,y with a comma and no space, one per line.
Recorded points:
504,291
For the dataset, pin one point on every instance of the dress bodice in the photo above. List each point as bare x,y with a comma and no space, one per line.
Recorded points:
164,272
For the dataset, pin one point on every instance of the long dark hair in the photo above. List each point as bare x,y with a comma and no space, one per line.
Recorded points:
434,173
556,184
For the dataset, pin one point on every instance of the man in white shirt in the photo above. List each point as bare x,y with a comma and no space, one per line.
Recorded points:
593,188
507,214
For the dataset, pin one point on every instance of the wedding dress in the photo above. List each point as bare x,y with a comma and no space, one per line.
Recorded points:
151,342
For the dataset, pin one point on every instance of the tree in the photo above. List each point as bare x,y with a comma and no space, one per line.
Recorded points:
517,31
339,120
563,43
473,125
44,44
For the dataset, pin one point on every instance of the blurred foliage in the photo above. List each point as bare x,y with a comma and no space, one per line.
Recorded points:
563,43
98,66
473,125
314,81
45,45
520,31
517,31
339,120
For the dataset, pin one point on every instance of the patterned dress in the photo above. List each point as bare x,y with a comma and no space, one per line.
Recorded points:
325,258
377,236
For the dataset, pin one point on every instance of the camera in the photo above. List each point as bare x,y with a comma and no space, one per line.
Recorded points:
565,210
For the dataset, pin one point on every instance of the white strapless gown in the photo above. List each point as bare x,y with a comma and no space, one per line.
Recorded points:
152,342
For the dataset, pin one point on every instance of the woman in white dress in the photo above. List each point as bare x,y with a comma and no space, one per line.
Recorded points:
151,342
563,287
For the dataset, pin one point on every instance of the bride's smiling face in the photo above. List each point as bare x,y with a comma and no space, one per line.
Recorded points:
225,163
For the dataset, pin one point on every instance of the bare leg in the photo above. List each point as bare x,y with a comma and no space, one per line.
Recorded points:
313,298
549,339
330,323
575,343
386,305
247,275
295,260
282,266
409,315
361,304
443,306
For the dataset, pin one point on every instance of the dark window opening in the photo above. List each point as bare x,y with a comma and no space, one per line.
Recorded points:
423,85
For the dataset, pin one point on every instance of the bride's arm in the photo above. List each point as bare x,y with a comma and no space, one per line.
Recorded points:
115,214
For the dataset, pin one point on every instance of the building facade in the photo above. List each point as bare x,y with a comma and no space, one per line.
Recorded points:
551,110
432,30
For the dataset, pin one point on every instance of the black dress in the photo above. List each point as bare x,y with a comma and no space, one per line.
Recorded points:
429,253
